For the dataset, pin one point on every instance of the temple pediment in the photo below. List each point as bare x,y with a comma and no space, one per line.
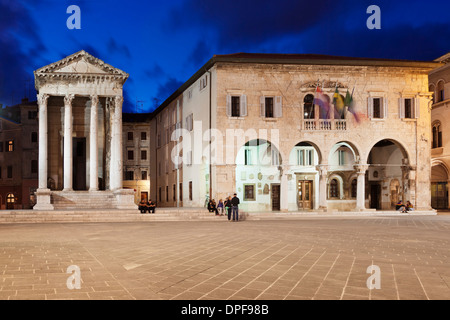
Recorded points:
79,65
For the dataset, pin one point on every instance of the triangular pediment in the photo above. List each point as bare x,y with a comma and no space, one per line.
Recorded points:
80,63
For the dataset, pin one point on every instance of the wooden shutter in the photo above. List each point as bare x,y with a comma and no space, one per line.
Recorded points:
243,106
262,101
385,107
370,107
416,107
401,108
228,106
278,112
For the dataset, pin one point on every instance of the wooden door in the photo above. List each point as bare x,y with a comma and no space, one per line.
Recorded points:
275,197
304,194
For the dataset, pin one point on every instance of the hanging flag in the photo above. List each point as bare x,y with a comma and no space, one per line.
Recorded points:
321,100
338,103
351,107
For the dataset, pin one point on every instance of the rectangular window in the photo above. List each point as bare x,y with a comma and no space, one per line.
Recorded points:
190,190
190,122
269,107
341,155
34,166
10,145
181,191
34,137
301,157
143,154
144,175
158,140
249,192
130,136
130,155
235,106
275,158
129,175
1,146
160,194
32,115
308,158
167,193
377,111
174,192
143,135
248,157
9,172
409,114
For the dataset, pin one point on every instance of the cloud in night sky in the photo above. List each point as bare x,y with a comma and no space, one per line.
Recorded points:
161,44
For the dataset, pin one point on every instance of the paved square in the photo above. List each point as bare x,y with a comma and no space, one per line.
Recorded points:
303,258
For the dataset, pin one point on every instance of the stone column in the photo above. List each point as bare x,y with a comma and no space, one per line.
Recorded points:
93,145
116,174
68,132
43,193
323,172
361,186
284,189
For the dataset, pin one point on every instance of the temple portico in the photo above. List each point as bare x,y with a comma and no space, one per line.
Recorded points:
80,135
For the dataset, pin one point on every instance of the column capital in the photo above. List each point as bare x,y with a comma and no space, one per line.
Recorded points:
118,100
42,98
323,169
94,99
68,98
361,168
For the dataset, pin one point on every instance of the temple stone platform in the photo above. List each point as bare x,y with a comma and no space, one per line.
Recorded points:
175,214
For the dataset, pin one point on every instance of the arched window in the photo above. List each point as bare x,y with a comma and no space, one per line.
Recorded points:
437,135
308,107
334,188
440,91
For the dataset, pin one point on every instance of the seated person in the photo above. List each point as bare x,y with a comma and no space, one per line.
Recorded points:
151,206
212,206
143,205
400,206
409,206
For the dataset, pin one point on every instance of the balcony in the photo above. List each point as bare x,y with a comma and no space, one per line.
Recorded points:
325,125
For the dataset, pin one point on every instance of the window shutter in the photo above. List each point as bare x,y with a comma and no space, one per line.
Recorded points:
243,105
416,108
262,101
401,108
228,105
278,112
370,107
385,107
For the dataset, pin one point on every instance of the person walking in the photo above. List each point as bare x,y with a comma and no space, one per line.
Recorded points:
235,204
228,206
220,207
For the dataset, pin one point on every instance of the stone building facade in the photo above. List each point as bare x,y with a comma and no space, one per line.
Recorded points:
274,145
439,85
18,155
136,154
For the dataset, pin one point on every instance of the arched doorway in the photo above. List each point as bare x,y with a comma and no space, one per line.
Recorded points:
258,176
439,186
303,161
341,183
388,170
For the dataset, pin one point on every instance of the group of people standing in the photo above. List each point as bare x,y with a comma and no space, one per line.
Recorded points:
230,206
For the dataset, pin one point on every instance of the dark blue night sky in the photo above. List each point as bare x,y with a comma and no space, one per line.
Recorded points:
162,43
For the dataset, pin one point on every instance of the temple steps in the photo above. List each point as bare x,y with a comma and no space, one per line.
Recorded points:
173,214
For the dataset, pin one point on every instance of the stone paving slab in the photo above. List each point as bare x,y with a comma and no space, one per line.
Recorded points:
302,259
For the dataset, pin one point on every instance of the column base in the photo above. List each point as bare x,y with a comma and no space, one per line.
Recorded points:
43,201
125,199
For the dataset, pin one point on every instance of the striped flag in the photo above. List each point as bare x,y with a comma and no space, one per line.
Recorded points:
321,101
351,107
338,103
